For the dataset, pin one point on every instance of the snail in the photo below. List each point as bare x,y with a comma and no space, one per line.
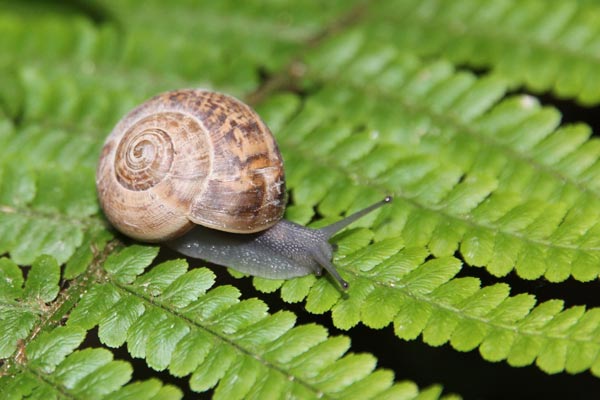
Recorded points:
200,171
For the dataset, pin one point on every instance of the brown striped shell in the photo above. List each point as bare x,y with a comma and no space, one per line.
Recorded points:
190,157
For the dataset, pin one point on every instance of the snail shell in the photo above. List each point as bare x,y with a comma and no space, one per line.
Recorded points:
191,157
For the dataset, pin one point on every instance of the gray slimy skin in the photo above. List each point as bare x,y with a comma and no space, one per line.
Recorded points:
284,251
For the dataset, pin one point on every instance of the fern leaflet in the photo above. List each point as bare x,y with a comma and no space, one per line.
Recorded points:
170,317
50,368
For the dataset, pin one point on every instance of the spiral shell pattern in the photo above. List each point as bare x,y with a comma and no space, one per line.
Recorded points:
143,158
190,157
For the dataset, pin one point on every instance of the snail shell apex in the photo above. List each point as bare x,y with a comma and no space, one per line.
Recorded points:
190,157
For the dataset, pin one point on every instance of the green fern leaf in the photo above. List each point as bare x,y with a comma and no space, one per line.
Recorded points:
40,213
478,181
12,280
94,242
53,370
42,280
130,262
273,40
170,317
364,104
528,42
50,349
423,298
21,306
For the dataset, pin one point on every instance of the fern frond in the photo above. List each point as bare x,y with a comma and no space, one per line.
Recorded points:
501,182
495,178
141,53
546,45
48,199
49,367
422,296
169,316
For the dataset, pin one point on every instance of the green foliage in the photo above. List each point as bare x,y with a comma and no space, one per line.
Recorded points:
170,317
501,182
55,371
22,302
423,297
545,45
365,99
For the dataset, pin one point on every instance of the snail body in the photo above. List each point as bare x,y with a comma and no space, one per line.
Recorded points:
286,250
201,171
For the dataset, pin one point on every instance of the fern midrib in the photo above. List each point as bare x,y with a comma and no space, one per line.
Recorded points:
221,337
462,316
